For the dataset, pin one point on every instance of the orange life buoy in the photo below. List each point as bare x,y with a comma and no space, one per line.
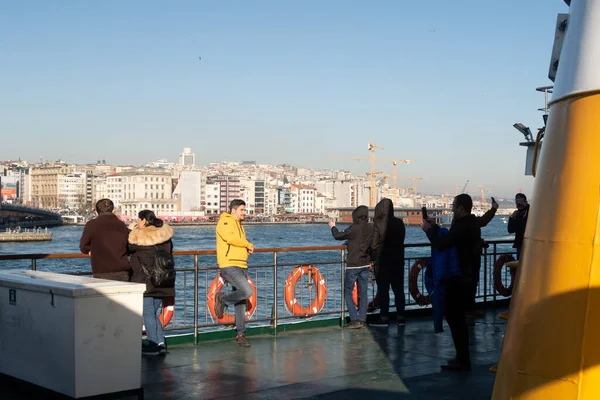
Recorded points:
215,287
373,304
292,303
498,285
168,310
412,282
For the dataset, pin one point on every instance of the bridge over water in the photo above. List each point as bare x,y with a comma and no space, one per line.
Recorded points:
12,215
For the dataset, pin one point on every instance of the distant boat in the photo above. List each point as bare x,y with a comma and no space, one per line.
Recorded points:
504,220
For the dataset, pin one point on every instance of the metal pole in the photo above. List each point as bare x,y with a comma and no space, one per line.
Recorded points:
343,276
493,266
485,275
196,308
33,264
275,302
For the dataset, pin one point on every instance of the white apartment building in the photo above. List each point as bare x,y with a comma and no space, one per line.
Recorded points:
271,200
303,199
212,204
72,189
99,189
320,204
114,189
189,191
144,188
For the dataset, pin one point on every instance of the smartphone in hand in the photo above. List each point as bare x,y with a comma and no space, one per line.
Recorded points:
424,213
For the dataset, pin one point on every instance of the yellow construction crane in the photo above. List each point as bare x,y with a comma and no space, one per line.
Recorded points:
415,180
372,173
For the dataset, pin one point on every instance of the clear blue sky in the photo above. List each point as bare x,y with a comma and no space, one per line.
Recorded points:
440,82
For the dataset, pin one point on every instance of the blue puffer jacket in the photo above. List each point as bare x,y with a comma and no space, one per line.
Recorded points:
442,266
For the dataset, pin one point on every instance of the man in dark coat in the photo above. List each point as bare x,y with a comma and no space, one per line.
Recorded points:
105,239
388,253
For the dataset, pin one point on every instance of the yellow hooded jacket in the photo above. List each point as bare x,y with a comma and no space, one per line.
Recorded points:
232,245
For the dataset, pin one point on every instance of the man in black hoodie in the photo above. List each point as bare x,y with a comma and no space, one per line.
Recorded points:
388,253
465,236
358,263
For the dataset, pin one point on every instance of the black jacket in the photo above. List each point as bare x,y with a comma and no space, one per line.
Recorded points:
517,226
359,238
388,237
465,236
106,238
142,248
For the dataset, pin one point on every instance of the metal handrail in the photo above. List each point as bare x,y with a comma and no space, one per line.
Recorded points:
272,289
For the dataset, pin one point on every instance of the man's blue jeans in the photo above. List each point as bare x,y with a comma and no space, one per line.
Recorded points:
151,311
362,276
242,290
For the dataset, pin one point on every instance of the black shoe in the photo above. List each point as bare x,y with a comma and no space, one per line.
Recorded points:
401,321
242,341
151,350
380,322
162,349
454,365
219,306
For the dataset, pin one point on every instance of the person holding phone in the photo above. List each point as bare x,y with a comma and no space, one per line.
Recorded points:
465,236
518,221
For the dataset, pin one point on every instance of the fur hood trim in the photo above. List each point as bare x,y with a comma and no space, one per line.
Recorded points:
150,236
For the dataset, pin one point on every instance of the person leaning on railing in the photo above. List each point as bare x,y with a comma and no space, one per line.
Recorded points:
232,256
358,264
104,238
149,235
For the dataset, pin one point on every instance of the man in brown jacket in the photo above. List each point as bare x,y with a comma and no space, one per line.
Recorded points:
105,239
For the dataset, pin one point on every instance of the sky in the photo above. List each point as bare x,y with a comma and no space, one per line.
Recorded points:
438,82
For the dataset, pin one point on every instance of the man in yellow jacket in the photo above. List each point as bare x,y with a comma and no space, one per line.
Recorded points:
232,255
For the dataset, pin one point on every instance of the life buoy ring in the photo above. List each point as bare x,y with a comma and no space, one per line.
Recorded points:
374,304
215,287
168,310
355,294
292,304
498,285
413,288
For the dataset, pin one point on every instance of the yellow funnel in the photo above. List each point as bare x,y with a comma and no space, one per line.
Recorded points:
552,345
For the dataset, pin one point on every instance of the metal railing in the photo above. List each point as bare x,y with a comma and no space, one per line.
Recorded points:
269,270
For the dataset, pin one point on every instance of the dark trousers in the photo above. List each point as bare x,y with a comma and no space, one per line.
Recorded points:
458,295
394,277
474,284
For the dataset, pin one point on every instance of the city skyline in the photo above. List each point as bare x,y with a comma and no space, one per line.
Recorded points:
280,83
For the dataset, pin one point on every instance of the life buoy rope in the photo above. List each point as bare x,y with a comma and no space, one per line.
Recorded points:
215,287
498,285
315,277
413,288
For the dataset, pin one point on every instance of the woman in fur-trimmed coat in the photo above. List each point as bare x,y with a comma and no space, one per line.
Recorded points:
146,236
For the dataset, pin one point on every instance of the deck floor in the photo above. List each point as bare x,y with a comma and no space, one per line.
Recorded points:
328,363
